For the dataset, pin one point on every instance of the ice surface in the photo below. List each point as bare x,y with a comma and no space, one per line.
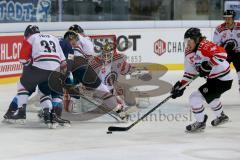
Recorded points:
163,138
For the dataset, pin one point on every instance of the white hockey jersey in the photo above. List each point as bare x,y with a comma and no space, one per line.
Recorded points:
85,46
223,35
43,50
207,51
109,72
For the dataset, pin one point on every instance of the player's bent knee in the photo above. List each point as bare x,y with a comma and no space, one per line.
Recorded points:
196,99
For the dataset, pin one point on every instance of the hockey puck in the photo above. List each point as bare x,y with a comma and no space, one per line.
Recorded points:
109,132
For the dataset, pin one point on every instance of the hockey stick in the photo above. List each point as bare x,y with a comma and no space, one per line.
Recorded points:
100,106
121,129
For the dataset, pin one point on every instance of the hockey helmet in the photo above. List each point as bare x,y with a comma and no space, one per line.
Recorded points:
70,35
76,28
229,13
30,30
193,33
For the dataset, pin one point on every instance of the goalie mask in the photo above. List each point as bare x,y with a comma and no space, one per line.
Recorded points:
108,52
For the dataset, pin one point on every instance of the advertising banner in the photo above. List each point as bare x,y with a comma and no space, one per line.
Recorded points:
9,55
158,46
25,11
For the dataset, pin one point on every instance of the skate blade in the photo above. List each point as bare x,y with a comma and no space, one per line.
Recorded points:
65,124
200,130
9,121
52,125
221,123
21,121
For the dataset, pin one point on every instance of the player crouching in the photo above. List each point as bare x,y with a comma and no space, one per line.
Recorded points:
40,55
205,59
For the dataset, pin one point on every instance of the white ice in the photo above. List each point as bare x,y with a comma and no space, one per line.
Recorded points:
149,140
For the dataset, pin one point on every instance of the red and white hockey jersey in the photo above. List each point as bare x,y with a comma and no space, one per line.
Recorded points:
222,35
207,51
109,72
43,50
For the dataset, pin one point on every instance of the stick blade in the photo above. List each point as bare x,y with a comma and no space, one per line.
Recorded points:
120,129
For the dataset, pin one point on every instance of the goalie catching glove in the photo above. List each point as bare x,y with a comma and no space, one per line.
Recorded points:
176,91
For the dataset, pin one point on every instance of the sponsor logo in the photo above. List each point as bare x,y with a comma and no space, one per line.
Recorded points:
161,46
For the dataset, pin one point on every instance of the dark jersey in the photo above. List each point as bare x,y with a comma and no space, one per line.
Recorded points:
66,47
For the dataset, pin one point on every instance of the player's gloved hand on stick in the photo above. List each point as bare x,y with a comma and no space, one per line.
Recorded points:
176,91
204,69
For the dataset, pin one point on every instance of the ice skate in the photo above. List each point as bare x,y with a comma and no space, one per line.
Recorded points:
47,119
7,116
197,126
220,120
18,115
55,119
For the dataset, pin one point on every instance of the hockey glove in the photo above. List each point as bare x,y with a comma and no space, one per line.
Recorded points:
229,47
204,69
176,91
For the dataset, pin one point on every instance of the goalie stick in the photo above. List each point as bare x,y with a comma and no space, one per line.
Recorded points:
121,129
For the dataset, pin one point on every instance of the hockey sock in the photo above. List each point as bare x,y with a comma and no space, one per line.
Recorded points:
196,101
216,106
22,95
45,102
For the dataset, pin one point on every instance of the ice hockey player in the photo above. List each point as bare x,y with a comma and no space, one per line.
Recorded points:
109,65
205,59
66,44
85,75
227,35
40,55
85,50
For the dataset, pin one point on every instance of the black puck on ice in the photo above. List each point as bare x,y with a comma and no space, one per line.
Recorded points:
109,132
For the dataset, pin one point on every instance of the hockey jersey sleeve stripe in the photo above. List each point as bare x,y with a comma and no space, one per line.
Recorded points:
214,61
22,92
189,74
47,56
47,59
25,52
221,57
188,77
220,74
